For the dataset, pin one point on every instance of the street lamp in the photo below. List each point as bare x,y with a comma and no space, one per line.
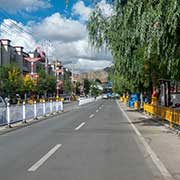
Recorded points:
58,70
32,61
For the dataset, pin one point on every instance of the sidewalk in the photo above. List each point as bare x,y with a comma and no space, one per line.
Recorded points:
163,141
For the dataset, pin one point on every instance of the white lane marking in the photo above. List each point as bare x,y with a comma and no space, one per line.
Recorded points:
97,110
82,124
44,158
91,116
99,107
163,170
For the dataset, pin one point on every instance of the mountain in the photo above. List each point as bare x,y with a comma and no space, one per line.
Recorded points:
102,75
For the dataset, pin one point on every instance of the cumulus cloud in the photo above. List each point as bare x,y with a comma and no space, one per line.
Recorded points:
67,39
79,9
18,34
106,8
89,65
13,6
58,28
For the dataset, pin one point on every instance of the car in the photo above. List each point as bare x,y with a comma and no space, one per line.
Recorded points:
105,96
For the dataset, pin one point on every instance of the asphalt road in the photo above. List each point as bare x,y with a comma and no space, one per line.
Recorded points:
93,142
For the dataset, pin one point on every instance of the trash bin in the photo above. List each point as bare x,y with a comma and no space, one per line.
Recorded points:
136,105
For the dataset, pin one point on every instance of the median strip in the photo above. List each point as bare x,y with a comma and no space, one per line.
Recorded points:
81,125
44,158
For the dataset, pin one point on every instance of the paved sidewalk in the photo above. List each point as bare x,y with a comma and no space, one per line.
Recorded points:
163,141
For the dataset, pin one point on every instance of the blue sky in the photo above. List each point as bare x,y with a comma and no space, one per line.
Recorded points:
59,30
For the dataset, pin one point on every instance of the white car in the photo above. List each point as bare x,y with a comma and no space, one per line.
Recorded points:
105,96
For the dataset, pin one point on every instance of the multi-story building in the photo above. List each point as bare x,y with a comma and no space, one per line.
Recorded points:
15,54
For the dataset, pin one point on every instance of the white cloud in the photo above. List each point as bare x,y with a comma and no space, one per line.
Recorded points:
13,6
106,8
87,65
68,39
81,10
58,28
18,34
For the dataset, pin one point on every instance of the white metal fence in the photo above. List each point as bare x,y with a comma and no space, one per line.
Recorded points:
88,100
15,113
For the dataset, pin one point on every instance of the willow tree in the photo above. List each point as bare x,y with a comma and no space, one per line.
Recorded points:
143,37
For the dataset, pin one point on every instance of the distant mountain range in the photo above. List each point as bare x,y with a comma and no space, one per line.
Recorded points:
102,75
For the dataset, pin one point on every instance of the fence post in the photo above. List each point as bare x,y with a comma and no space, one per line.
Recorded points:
24,112
44,108
51,106
61,104
8,116
35,110
57,105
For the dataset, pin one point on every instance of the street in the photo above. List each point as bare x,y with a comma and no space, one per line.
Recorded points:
93,142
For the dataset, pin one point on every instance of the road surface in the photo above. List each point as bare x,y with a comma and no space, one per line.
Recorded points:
93,142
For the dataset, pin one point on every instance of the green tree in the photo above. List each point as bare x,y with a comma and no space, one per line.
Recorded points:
67,86
87,85
94,89
78,88
46,83
11,80
143,39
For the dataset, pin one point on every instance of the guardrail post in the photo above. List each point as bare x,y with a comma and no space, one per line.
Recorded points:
62,108
51,106
8,116
35,110
57,105
44,108
24,112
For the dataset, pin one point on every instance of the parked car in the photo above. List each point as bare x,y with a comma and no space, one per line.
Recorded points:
105,96
175,100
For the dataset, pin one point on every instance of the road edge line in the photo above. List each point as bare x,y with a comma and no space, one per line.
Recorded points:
163,170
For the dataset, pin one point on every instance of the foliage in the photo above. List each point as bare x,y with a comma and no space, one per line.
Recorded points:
87,85
78,87
144,39
11,80
94,89
46,83
67,86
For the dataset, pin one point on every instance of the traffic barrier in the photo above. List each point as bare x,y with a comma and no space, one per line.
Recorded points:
16,113
169,114
82,101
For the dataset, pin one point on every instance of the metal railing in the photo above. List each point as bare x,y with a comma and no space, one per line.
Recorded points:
23,112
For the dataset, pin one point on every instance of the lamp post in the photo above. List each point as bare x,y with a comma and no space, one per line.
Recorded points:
58,70
32,61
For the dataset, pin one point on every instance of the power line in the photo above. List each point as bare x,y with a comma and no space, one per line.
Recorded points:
3,12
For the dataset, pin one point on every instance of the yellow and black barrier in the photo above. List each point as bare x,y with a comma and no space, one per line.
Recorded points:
169,114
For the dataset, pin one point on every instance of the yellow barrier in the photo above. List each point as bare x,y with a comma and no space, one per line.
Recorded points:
169,114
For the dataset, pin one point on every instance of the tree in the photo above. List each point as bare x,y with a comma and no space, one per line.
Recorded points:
144,41
46,83
67,86
78,87
11,80
94,89
87,85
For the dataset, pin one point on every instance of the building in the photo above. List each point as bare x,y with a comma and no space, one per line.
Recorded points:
15,54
